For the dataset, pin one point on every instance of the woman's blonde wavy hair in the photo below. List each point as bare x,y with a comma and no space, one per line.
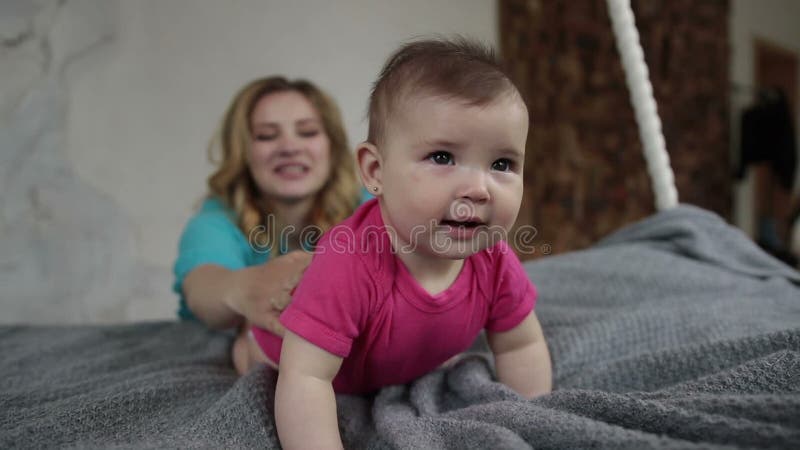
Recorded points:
234,185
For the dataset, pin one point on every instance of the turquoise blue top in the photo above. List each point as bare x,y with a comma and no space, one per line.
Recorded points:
212,237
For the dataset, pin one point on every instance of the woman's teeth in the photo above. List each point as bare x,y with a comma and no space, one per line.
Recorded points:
292,169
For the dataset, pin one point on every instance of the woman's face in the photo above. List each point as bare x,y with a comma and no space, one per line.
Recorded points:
289,155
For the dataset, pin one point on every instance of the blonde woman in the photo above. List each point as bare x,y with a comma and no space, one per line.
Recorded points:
285,174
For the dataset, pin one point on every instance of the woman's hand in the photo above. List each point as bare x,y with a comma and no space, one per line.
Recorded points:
260,293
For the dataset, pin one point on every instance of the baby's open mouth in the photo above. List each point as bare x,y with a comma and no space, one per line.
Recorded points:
464,224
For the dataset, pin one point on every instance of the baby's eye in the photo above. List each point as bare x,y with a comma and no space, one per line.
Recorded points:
441,158
503,165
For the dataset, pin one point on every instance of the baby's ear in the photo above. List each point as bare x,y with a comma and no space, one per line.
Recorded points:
370,161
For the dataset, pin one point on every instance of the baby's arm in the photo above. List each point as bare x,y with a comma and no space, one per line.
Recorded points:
305,405
522,359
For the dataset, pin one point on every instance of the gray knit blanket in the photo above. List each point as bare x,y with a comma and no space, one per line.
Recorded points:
675,332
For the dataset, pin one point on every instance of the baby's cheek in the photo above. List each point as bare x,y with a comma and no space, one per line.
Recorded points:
505,214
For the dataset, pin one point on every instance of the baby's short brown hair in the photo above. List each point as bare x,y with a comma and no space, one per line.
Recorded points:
458,69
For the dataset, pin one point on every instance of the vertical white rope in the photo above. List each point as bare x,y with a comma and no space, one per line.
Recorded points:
644,104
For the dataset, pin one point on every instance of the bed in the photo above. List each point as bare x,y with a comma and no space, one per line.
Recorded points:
674,332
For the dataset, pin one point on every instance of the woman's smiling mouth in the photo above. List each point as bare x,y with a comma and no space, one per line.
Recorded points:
291,170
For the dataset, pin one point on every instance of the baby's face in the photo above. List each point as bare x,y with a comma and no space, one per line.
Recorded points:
452,174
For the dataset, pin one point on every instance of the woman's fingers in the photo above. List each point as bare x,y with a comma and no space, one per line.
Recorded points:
272,288
275,324
299,257
281,300
297,261
269,320
285,270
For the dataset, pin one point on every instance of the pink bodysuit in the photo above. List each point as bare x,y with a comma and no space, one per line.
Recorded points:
358,300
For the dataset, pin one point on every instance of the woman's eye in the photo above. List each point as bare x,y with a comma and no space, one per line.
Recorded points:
503,165
309,134
441,158
266,137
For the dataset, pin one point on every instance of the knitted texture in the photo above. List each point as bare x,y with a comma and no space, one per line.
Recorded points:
676,332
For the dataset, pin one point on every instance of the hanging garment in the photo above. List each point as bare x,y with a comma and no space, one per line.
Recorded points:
768,136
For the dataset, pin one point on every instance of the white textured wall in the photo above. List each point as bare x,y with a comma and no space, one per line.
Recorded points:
106,107
777,21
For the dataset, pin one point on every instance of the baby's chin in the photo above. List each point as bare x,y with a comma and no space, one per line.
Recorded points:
454,257
459,249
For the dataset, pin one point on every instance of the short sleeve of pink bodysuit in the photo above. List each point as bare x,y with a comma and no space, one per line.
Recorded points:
515,295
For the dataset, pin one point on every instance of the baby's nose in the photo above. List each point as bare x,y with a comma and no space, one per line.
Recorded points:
475,188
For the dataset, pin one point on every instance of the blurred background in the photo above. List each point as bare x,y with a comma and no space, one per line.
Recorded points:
107,107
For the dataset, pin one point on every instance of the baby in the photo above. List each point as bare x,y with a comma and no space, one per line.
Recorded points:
412,278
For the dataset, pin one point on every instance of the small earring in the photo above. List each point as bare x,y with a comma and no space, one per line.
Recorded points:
375,188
